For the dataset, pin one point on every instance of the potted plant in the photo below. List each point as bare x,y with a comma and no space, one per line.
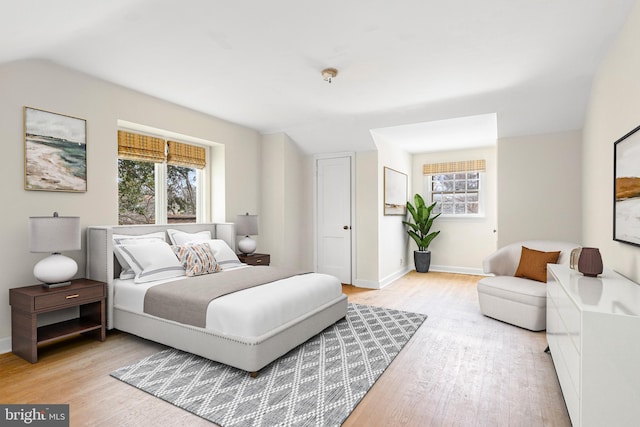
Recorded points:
419,231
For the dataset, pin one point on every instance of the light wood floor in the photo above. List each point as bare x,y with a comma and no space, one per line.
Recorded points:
459,369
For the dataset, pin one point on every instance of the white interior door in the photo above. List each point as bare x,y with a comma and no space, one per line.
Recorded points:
333,217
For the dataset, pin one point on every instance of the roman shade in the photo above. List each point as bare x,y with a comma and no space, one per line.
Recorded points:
187,155
453,167
134,146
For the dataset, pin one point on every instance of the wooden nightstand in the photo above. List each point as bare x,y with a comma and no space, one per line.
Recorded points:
255,259
28,302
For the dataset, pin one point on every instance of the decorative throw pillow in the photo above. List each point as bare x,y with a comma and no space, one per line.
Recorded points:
196,258
533,264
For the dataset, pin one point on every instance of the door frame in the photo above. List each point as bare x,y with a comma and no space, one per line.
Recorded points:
352,163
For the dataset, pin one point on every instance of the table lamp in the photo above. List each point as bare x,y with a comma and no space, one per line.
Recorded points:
54,234
247,225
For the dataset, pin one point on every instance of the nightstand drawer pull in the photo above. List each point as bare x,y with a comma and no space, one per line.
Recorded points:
258,261
72,296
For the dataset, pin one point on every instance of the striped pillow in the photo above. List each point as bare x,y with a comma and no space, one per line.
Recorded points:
196,258
151,261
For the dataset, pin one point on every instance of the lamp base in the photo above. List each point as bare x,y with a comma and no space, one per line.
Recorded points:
55,270
247,245
56,285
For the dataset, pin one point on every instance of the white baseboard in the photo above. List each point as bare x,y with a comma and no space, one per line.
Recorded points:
5,345
372,284
393,277
454,269
367,284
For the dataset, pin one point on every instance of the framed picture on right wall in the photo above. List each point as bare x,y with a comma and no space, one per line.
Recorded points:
626,203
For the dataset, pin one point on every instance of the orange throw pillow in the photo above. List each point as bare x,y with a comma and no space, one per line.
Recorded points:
533,264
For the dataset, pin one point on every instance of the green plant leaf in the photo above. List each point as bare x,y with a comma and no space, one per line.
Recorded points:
420,228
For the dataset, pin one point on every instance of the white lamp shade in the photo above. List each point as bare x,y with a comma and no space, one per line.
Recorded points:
54,233
247,225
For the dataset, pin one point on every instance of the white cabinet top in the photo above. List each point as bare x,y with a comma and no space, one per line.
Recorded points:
609,293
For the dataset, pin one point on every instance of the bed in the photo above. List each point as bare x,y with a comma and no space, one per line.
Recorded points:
247,329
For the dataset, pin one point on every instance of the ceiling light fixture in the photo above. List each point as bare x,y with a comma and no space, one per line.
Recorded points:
329,73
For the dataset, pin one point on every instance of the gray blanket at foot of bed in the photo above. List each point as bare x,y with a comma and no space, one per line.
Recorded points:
186,300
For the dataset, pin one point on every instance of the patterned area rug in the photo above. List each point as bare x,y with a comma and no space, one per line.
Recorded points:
316,384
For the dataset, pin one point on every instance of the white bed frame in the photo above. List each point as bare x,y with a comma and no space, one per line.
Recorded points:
246,353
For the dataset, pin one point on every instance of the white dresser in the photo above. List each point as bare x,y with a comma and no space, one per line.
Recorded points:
593,331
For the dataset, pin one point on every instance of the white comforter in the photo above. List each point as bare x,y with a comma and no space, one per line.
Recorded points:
250,312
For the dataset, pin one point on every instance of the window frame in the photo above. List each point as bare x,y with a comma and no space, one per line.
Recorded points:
161,187
161,199
428,194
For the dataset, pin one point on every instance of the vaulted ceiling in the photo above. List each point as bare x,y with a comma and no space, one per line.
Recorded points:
258,63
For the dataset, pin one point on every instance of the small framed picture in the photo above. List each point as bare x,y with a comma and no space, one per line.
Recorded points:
55,152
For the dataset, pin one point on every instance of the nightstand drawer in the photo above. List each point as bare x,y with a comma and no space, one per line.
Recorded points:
261,260
69,297
255,259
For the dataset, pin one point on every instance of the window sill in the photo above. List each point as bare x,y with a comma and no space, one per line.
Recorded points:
462,217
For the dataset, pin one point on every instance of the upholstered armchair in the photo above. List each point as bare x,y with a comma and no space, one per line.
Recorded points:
520,301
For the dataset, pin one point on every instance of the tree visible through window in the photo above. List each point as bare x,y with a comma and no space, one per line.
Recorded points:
456,193
136,192
181,194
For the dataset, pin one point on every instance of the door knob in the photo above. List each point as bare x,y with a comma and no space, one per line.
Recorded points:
346,227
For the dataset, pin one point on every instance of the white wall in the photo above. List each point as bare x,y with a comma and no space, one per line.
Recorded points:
298,214
612,112
463,242
366,236
392,235
272,197
287,211
46,86
539,187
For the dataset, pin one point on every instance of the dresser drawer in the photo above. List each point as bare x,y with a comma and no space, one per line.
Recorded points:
70,297
571,359
553,289
571,318
570,394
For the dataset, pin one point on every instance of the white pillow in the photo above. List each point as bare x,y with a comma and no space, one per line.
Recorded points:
121,239
152,261
225,256
178,237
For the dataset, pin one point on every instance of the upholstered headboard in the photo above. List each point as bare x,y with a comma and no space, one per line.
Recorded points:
103,266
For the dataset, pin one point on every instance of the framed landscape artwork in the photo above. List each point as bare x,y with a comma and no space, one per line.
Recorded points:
626,205
395,192
55,152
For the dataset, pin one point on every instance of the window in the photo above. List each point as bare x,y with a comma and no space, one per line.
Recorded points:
182,194
154,188
136,192
455,187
